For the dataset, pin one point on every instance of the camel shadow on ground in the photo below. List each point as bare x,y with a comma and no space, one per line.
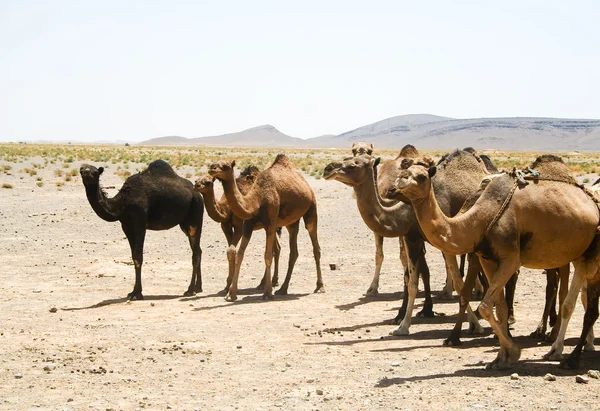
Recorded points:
121,301
366,299
251,298
529,368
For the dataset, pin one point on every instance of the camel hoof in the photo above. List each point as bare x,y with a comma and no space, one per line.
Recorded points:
319,289
426,314
511,319
371,292
452,342
445,295
281,291
268,296
261,286
475,329
189,293
554,356
497,365
231,297
400,332
132,296
537,334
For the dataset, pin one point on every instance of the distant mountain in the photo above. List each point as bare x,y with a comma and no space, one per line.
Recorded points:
428,132
261,136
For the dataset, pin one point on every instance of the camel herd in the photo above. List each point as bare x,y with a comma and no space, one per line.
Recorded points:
462,205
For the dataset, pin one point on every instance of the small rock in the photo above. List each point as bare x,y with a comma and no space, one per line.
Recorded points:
287,364
18,376
239,347
310,380
49,367
37,291
582,379
169,407
319,392
514,376
70,400
550,377
53,309
395,364
594,374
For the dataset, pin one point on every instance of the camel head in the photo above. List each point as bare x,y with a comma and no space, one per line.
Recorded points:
204,184
362,148
413,182
352,170
222,169
90,174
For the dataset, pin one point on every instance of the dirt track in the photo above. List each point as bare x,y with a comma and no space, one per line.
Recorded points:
302,351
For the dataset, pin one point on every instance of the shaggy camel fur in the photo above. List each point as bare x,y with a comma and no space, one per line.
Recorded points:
509,227
280,197
231,224
154,199
389,221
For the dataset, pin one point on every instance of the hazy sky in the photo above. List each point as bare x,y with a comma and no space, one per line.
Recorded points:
133,70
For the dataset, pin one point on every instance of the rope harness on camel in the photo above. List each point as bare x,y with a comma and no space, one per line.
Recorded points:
522,178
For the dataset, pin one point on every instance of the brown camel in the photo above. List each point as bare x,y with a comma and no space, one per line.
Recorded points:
362,148
392,221
154,199
515,224
231,224
280,197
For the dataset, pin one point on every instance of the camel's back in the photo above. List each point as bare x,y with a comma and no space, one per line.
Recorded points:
457,178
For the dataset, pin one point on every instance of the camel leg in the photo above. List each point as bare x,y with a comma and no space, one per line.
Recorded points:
413,282
374,288
510,288
423,272
402,311
293,234
310,222
590,317
193,233
549,306
465,298
275,278
498,274
563,289
271,234
247,230
586,297
135,236
566,310
233,236
452,268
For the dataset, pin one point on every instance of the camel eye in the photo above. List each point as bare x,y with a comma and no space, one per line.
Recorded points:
405,164
420,178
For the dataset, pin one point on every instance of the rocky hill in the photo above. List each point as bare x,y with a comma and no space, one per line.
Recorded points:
428,132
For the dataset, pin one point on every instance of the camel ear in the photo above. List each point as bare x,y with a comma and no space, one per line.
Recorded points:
432,171
353,145
233,164
372,146
100,170
377,161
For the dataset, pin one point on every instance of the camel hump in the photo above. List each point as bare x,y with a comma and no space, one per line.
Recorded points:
408,151
160,167
551,166
283,160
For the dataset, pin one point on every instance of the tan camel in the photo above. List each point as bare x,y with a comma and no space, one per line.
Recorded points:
362,148
280,197
512,225
394,221
231,224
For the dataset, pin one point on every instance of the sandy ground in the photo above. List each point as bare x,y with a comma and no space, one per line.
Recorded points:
303,351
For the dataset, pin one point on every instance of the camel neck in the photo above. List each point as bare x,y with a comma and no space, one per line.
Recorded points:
218,211
243,206
388,221
105,208
456,235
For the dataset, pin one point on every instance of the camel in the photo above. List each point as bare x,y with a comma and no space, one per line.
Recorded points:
362,148
509,227
154,199
397,220
280,197
231,224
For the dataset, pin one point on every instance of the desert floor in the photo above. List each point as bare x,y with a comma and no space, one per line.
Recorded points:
303,351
